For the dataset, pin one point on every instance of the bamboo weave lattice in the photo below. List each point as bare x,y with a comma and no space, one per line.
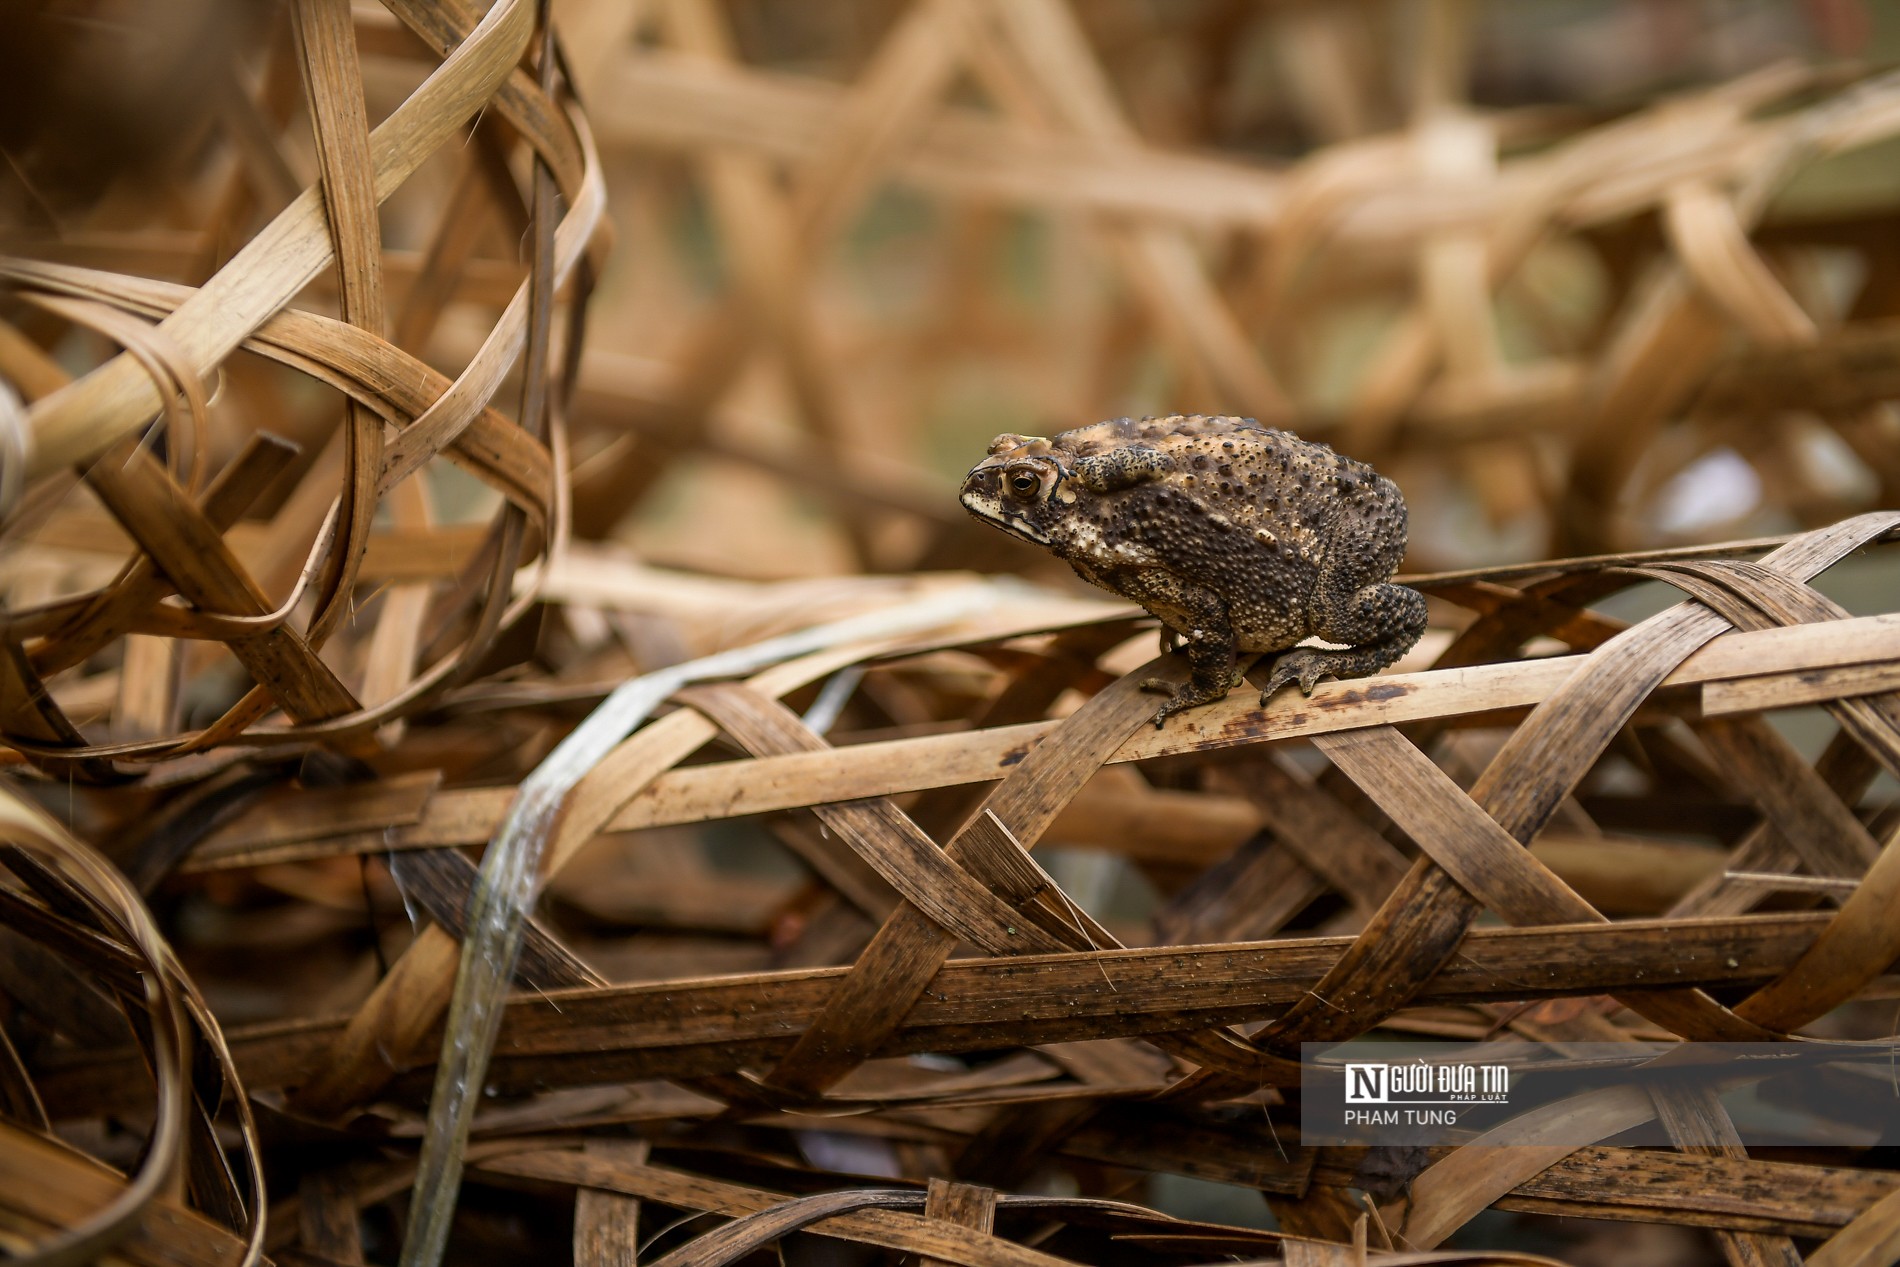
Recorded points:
1121,1051
281,670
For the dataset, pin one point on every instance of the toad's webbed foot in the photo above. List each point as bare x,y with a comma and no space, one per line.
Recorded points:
1305,665
1214,674
1382,622
1181,698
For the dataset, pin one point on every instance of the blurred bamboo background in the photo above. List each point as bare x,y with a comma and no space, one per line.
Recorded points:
1586,318
500,354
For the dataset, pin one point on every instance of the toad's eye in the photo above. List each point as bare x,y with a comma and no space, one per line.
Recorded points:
1024,484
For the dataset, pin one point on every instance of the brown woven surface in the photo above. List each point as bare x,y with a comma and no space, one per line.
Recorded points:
822,952
1632,727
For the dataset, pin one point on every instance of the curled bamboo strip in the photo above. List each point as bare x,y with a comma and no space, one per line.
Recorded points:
421,638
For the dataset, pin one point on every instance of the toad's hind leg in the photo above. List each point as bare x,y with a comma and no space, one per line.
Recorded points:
1377,621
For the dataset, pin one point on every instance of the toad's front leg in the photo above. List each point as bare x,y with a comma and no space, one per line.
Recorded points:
1200,617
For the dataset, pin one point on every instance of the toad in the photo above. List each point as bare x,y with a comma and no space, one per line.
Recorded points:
1238,538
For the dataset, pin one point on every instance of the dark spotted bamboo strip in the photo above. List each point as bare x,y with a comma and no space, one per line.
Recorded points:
688,1028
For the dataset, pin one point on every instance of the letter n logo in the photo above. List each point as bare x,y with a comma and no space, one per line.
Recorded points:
1365,1084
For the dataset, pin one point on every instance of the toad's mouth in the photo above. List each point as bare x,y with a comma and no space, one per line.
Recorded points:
1012,522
